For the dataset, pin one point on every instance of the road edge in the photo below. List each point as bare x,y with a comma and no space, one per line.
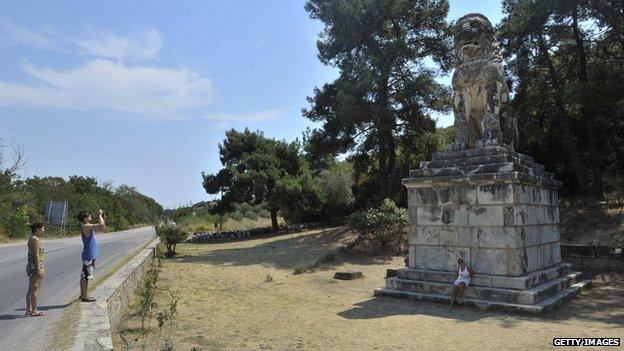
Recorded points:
71,237
113,295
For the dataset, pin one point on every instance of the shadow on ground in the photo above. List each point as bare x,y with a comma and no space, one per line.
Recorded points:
382,306
604,303
6,317
284,253
47,308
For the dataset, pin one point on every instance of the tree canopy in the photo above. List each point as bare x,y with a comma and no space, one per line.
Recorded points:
566,60
382,100
252,167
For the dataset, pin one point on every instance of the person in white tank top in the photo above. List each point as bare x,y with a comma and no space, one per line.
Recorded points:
462,281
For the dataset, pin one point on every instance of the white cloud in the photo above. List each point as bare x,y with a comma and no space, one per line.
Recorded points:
17,35
247,117
117,77
143,44
147,92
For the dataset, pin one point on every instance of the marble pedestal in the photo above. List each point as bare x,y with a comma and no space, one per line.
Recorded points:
496,209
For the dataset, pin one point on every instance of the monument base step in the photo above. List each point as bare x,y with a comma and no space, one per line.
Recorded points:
530,296
487,280
543,306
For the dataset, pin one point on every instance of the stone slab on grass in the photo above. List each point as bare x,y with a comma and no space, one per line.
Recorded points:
348,275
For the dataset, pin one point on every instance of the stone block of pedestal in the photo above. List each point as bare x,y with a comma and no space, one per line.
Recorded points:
497,210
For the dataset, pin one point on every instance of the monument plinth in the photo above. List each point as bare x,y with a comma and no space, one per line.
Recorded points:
496,209
482,201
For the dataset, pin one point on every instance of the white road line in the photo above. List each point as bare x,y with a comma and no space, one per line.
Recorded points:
9,259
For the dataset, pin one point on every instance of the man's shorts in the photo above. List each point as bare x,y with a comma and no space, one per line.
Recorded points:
88,270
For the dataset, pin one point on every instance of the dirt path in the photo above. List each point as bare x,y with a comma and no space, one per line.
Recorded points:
227,305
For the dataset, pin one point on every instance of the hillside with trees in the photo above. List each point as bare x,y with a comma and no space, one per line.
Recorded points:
22,201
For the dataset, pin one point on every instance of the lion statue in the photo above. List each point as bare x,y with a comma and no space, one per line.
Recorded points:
483,116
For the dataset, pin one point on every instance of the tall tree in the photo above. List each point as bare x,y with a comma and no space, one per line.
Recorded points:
559,52
253,166
385,88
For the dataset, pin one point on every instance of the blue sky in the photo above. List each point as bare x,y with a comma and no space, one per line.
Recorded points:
141,92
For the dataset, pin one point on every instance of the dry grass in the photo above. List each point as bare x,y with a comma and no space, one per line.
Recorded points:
64,333
200,224
592,223
225,304
321,262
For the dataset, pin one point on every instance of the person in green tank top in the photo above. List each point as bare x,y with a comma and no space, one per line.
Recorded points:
35,268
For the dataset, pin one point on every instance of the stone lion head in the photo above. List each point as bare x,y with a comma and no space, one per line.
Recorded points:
474,38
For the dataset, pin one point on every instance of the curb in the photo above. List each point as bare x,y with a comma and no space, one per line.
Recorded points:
113,296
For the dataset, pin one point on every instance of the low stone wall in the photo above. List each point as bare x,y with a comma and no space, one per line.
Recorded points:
113,296
232,235
602,258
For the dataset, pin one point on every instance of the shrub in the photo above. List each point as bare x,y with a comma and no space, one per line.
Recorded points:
337,185
146,293
381,229
170,236
251,215
243,207
264,213
237,216
16,223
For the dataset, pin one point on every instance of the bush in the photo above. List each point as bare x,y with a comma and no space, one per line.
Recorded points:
237,216
337,185
16,223
382,229
251,215
170,236
243,207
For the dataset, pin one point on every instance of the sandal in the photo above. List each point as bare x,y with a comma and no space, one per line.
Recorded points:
89,299
37,314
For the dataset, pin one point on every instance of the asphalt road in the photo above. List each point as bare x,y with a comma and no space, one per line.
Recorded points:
60,286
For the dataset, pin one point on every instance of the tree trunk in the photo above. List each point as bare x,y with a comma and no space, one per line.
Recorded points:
586,110
274,223
383,164
384,134
567,138
392,169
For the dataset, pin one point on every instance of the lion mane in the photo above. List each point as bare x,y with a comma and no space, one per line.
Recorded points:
483,116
